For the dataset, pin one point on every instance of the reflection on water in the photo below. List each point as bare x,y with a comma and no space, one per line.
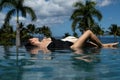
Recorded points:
92,64
12,69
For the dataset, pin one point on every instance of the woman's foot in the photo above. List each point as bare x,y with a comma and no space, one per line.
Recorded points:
108,45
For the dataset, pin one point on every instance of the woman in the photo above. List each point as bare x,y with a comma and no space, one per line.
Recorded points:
87,39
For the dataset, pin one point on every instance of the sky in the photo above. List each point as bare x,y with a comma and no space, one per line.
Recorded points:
56,14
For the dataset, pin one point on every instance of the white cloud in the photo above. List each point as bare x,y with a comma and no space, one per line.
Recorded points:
51,11
51,7
103,3
20,18
2,16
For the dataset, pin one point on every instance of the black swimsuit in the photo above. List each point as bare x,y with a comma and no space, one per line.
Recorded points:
57,44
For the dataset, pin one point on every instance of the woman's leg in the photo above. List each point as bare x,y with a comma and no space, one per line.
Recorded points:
86,35
91,36
111,45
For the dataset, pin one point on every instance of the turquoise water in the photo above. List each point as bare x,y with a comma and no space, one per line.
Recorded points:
93,64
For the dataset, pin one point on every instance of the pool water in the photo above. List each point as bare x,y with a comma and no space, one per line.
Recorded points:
92,64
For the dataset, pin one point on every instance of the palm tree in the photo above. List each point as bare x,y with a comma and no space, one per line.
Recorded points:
114,30
18,7
97,30
84,15
75,34
31,29
118,31
6,34
66,35
23,32
46,31
38,30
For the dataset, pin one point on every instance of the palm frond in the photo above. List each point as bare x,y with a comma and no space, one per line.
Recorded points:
97,14
6,4
23,12
76,13
75,22
20,1
31,12
78,4
9,15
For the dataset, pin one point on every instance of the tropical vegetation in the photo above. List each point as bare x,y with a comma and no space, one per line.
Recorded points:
16,7
7,34
114,30
84,16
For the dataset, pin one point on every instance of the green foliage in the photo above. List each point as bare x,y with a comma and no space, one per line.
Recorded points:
114,30
16,7
84,15
46,31
75,34
118,34
31,29
97,30
66,35
6,34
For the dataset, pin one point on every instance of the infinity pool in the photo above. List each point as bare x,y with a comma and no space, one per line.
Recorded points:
92,64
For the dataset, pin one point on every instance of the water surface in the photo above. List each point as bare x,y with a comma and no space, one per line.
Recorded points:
93,64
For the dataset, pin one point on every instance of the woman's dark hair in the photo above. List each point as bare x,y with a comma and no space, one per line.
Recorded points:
29,46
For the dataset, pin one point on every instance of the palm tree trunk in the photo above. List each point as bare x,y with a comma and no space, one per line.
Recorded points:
17,31
17,35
